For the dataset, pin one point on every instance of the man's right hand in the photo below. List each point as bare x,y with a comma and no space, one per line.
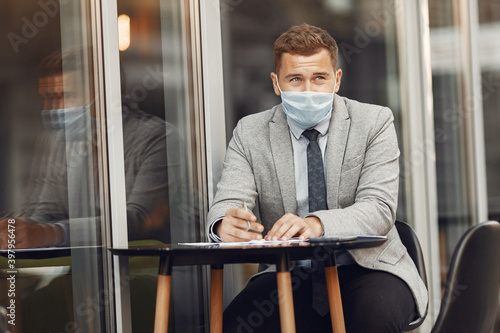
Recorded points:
234,226
29,235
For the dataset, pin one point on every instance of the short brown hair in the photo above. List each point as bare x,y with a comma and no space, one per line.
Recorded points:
305,40
53,63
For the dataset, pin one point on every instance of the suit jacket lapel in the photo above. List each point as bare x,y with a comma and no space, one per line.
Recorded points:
281,146
337,140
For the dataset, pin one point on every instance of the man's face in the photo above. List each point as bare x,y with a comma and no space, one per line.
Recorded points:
307,73
52,91
61,91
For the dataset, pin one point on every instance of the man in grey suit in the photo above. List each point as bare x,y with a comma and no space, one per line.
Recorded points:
267,164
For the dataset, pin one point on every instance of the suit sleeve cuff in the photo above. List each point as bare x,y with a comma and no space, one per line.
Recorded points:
65,229
211,233
322,225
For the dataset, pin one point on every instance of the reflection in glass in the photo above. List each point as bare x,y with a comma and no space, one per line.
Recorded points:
51,184
450,114
489,58
161,164
61,159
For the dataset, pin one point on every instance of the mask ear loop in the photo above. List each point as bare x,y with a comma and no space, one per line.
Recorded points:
335,81
278,84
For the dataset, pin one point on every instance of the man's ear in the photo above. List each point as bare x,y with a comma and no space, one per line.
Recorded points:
338,80
274,78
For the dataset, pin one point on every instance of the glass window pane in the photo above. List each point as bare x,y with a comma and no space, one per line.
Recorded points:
489,58
162,167
50,185
159,125
450,115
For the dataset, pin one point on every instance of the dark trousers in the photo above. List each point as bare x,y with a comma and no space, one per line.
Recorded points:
373,301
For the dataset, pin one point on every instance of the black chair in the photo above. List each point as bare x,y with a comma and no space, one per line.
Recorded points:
470,298
410,241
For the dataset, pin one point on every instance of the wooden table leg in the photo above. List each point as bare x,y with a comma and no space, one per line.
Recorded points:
216,299
163,295
285,295
334,297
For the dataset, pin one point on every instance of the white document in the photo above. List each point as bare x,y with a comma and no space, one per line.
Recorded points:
252,242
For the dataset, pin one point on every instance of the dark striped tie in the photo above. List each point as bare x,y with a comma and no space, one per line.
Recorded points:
315,173
317,201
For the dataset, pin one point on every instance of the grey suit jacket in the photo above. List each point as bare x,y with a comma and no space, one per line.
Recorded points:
362,174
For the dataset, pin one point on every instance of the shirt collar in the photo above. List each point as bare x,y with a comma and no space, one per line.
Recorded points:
322,127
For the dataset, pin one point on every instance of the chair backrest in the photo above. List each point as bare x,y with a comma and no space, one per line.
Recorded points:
410,241
470,298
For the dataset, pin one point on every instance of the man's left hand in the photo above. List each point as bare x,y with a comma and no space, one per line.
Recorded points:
290,225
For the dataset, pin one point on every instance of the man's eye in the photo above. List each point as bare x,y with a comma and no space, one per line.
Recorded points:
295,79
320,78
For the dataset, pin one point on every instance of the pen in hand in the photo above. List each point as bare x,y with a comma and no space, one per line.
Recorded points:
244,206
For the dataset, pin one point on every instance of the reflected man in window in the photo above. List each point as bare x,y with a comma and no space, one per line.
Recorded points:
352,191
62,198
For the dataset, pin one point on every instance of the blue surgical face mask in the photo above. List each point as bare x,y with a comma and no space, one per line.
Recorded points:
306,108
74,120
